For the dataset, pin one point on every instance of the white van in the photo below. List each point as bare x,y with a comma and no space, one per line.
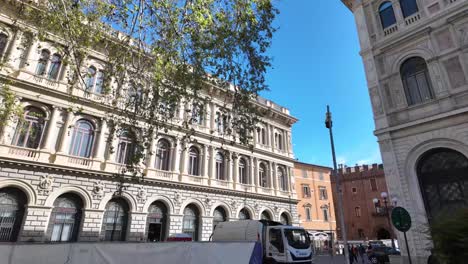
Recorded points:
279,243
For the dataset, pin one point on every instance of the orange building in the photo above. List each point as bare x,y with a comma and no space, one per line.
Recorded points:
316,212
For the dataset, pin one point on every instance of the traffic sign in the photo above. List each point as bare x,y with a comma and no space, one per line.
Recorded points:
401,219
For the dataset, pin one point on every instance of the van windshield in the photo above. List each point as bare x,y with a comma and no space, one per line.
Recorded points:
297,238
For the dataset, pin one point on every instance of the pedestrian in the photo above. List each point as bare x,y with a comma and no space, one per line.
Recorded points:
351,256
355,253
361,251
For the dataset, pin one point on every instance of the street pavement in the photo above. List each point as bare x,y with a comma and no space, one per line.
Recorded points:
339,259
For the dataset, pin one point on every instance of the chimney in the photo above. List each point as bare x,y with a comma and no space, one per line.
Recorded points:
357,168
374,166
365,167
348,169
381,166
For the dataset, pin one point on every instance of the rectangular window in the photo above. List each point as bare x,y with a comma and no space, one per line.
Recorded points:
357,211
325,214
305,191
321,176
373,184
354,190
308,216
361,233
323,193
304,174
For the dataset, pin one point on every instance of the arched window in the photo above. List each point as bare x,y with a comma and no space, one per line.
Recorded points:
325,213
82,139
408,7
265,216
29,130
197,114
443,178
387,15
220,165
54,68
220,122
65,218
243,171
126,147
219,215
191,221
284,219
244,214
42,63
157,221
416,81
3,43
194,160
282,179
12,203
114,225
90,78
262,175
163,155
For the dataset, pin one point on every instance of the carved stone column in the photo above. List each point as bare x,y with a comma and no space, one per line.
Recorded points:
66,134
51,130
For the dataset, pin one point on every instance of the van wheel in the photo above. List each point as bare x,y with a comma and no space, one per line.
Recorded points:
374,260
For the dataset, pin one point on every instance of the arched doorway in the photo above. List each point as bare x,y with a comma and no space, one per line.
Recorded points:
65,218
383,233
12,203
115,220
157,221
219,215
191,221
443,178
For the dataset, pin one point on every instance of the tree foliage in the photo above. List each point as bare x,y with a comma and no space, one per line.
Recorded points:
161,55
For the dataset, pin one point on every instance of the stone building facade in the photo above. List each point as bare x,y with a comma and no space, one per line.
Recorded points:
364,219
415,54
60,182
316,206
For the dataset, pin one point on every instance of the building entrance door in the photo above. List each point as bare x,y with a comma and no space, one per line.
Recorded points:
154,232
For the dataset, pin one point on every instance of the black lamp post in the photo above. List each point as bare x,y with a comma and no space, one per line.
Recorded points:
384,196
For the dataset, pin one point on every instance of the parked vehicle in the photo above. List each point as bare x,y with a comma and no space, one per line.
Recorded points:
279,243
378,255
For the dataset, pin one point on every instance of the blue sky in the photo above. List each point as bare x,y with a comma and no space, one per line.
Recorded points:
315,63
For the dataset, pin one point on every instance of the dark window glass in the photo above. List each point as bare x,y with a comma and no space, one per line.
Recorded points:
244,214
12,203
387,15
284,219
243,171
42,63
29,131
263,175
265,216
408,7
82,139
54,68
65,218
156,222
373,184
416,81
219,216
3,43
194,159
126,148
220,165
443,178
163,155
191,222
90,78
114,224
276,239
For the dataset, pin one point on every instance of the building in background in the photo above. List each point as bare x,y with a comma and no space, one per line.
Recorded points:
415,54
364,219
60,182
315,207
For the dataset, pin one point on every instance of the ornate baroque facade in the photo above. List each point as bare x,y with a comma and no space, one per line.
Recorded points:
60,182
415,54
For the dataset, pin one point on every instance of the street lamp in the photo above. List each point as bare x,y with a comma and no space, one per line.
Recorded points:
329,124
394,201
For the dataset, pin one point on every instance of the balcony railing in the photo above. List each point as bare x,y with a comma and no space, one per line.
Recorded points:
412,19
390,30
20,152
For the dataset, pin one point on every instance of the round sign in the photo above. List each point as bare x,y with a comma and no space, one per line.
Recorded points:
401,219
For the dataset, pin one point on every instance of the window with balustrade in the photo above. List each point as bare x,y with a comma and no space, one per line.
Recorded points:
114,224
416,81
262,175
283,184
191,222
65,218
42,62
30,129
243,171
3,44
12,208
94,80
126,147
163,153
408,7
54,67
82,139
387,15
194,161
220,166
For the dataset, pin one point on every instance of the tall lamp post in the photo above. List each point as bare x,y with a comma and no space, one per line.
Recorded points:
384,196
329,124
